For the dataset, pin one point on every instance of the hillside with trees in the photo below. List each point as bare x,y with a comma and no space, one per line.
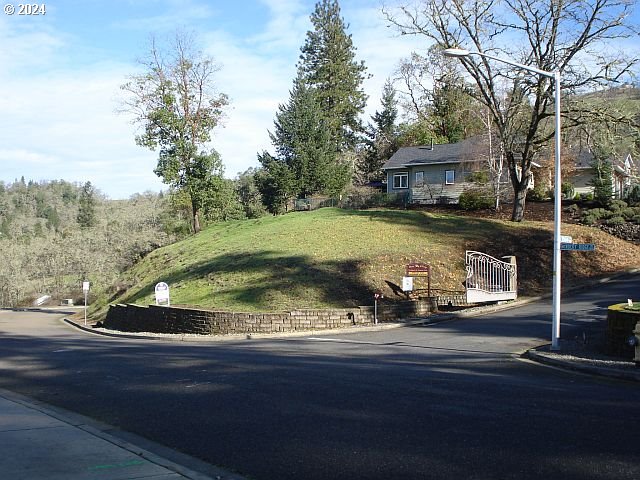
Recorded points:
55,235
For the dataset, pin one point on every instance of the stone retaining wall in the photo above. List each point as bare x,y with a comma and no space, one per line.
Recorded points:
162,319
452,300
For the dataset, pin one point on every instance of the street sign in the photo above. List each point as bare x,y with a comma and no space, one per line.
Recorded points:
580,247
407,284
566,239
85,286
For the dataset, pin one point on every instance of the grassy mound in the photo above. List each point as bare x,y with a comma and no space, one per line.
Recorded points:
336,258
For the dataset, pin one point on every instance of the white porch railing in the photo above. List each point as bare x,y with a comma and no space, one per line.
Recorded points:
490,279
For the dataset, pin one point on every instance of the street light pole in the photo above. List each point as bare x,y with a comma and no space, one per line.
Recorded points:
557,191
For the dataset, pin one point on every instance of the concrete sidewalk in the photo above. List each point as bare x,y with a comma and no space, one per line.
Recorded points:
40,442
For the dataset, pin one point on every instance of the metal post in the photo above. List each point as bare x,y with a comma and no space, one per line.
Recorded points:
557,217
375,311
557,267
85,290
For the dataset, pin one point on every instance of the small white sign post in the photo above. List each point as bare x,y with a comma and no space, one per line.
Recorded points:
162,294
376,297
85,290
407,284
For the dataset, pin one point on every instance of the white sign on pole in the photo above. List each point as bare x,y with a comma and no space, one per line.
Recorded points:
162,293
85,290
407,284
566,239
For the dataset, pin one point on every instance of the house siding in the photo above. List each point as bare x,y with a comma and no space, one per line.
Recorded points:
433,189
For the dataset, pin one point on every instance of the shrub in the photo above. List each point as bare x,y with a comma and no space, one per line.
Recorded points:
473,199
572,209
617,205
596,213
633,195
568,191
589,219
537,193
615,221
479,177
586,197
636,219
628,213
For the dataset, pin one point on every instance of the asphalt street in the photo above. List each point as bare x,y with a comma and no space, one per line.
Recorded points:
448,400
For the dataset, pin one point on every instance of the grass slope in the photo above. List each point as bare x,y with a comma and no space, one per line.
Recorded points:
335,258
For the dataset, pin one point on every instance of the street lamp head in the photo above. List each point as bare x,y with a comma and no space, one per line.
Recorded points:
455,52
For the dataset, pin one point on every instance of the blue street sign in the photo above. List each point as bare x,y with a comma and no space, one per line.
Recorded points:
580,247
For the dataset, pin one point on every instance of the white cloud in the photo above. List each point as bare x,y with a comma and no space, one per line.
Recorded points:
63,125
27,47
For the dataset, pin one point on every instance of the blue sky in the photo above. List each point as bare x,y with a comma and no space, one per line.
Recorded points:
60,75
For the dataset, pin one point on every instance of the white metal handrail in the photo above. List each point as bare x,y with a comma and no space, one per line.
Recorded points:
490,279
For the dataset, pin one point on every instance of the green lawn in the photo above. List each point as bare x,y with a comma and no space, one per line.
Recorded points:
328,258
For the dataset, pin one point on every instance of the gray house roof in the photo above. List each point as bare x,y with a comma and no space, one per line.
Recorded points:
465,151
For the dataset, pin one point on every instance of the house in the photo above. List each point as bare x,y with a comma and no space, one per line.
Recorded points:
435,173
625,174
440,173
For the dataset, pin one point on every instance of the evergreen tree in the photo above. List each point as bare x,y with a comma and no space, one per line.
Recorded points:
276,183
453,109
304,147
328,64
87,206
382,141
602,180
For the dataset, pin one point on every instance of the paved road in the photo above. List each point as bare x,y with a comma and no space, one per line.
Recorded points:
442,401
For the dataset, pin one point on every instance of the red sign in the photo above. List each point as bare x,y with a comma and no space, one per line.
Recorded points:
418,270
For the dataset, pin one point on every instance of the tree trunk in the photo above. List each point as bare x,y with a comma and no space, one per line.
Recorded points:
196,218
519,199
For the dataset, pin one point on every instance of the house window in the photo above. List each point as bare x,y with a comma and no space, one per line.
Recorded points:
449,177
401,180
419,179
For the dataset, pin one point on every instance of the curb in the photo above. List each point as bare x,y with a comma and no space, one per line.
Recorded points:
621,374
251,336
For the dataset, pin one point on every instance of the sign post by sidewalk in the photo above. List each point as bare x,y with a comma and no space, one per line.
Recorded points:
376,297
85,290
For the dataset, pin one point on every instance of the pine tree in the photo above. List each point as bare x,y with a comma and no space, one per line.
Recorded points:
452,109
87,206
304,147
275,182
602,181
328,64
382,137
